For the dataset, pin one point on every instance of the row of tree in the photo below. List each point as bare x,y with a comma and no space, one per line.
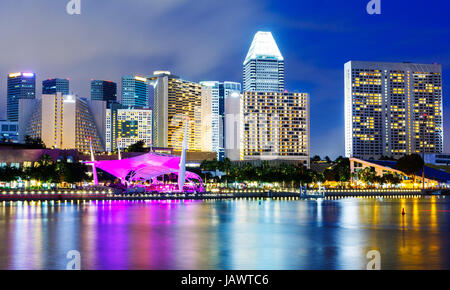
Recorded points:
288,174
338,171
47,171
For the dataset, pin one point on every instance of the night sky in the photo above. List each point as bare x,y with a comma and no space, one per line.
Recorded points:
208,40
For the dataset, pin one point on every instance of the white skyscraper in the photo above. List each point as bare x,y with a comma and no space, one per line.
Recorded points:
264,65
214,96
392,109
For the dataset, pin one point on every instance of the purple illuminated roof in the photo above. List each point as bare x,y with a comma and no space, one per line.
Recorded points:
150,164
146,167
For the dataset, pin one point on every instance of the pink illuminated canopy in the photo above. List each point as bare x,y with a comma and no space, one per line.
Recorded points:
144,167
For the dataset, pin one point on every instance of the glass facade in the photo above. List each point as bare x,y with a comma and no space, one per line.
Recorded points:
53,86
20,86
102,90
135,92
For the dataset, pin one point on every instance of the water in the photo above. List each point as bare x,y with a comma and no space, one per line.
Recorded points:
231,234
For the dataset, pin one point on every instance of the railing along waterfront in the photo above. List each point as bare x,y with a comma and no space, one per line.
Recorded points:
111,194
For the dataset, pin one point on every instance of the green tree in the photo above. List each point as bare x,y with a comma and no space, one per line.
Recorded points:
226,167
330,175
316,159
10,173
410,164
44,170
389,178
342,169
75,172
71,172
139,146
34,143
367,175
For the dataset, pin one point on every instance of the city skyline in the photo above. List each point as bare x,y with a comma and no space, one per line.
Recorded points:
309,65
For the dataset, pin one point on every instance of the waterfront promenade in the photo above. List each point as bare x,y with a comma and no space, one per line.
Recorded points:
69,195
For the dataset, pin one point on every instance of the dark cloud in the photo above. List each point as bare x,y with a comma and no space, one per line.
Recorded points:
194,39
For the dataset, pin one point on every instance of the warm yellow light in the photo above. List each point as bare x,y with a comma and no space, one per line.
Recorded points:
138,78
14,75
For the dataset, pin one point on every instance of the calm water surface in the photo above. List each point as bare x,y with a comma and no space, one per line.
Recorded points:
233,234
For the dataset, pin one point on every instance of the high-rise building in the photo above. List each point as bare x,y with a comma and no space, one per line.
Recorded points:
210,119
63,122
213,110
275,127
176,101
125,127
102,90
21,85
53,86
233,127
135,92
392,109
264,65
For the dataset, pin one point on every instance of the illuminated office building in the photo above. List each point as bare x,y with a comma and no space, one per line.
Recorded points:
53,86
135,92
63,122
174,100
264,65
21,85
213,110
392,109
275,127
102,90
125,127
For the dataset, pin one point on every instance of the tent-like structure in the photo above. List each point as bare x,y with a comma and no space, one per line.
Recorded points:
147,168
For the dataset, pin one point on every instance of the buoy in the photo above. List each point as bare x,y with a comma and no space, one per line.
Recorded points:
403,211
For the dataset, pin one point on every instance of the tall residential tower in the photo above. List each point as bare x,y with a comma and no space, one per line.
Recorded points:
176,101
275,127
392,109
